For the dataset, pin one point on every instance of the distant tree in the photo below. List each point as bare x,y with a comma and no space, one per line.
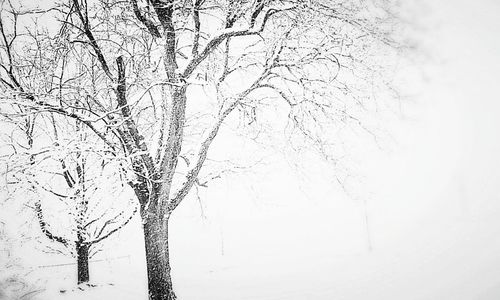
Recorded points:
158,78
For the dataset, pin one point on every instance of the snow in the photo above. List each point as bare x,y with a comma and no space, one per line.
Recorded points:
433,215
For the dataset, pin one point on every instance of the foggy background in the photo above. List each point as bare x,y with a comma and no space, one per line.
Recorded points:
426,227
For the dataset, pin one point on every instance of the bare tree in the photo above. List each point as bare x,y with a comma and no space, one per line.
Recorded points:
158,78
68,178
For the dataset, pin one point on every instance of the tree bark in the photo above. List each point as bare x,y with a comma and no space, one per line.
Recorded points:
82,252
157,259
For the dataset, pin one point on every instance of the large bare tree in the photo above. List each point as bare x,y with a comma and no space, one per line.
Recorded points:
155,80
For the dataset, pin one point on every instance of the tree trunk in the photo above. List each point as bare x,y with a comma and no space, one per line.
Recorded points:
82,252
157,259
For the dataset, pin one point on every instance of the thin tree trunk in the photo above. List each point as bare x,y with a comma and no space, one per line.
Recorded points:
157,259
82,252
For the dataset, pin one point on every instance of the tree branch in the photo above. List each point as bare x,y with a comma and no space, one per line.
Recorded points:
44,227
130,125
197,26
165,10
225,34
150,25
202,155
111,232
92,40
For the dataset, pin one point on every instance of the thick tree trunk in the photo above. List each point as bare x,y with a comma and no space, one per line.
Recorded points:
82,252
157,259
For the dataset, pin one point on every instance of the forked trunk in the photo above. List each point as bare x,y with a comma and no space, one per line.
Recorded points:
157,259
82,252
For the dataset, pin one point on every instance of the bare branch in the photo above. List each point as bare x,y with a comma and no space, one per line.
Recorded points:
150,25
202,155
197,26
86,28
225,34
111,232
43,225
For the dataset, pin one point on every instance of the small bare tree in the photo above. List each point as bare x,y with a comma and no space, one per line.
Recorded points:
64,176
158,78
